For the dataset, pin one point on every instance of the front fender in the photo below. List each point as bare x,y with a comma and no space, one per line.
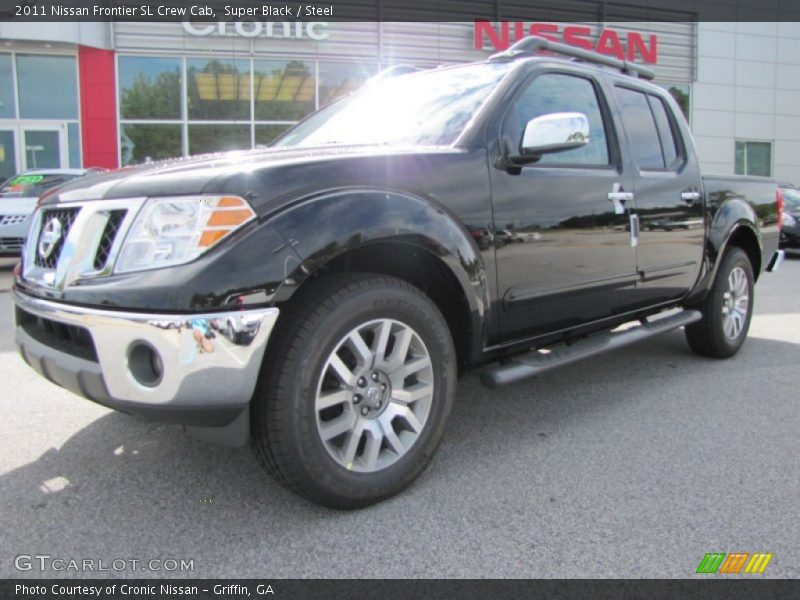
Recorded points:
324,227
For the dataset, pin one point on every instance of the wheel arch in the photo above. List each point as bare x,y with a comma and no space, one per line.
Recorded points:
734,224
745,237
401,235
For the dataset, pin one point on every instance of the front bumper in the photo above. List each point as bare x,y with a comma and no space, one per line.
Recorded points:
193,369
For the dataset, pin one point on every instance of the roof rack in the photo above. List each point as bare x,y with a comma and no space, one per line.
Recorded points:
530,45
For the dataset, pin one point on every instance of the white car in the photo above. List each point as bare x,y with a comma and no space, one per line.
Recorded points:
18,197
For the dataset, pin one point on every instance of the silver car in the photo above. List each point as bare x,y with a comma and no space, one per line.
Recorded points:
18,198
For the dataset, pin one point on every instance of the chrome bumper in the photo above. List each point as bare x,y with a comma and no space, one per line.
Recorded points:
137,361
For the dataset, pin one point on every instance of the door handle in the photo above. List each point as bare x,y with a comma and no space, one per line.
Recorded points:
617,194
619,197
690,197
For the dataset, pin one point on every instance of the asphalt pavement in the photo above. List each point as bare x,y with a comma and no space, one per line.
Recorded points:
633,464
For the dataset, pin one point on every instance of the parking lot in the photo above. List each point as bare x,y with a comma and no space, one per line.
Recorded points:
633,464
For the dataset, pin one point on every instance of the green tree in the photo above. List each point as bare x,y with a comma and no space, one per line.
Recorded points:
154,142
151,98
158,98
682,98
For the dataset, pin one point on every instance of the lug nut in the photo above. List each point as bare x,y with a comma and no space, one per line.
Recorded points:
380,403
356,398
365,411
374,377
383,387
362,382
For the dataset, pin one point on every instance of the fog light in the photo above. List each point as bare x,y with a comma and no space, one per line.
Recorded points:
145,364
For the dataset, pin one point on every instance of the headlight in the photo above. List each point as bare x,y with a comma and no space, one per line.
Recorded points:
172,231
789,219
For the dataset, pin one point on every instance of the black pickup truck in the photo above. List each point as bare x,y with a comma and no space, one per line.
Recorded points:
321,296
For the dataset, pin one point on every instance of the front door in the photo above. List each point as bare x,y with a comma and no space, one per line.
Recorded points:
564,253
43,147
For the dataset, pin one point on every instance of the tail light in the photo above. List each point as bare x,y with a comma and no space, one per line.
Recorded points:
779,203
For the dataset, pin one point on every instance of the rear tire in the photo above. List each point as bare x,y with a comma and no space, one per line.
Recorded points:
727,309
358,381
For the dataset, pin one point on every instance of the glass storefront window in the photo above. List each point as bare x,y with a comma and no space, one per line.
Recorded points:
48,87
753,158
141,142
266,133
8,154
149,88
339,79
218,89
42,149
7,109
283,90
218,138
74,144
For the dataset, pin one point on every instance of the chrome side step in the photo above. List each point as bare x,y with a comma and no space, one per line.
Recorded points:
537,362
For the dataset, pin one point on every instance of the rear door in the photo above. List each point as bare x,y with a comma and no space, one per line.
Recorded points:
668,201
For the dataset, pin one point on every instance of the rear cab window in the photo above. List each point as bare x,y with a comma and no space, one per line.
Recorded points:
650,128
653,136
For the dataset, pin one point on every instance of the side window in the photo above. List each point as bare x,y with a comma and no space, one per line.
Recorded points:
639,123
555,92
669,143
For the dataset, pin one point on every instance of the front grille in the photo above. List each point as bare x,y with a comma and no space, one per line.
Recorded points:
115,219
70,339
95,230
66,216
12,219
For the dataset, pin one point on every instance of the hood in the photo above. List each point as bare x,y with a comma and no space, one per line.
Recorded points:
250,174
17,206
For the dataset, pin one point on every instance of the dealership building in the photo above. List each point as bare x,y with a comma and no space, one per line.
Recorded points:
109,94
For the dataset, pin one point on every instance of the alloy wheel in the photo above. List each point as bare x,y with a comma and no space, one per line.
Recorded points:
735,304
374,395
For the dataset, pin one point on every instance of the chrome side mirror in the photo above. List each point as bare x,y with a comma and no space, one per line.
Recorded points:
555,132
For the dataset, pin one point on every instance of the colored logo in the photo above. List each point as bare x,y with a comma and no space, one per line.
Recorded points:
720,562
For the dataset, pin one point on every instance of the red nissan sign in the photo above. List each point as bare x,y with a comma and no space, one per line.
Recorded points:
498,36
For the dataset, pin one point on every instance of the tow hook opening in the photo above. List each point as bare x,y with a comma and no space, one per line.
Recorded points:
145,364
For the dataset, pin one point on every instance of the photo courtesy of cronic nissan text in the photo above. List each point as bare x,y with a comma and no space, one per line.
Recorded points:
394,299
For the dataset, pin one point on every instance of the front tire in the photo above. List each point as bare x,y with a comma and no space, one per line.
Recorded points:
357,384
727,310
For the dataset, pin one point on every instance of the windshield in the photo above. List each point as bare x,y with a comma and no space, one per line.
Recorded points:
426,108
33,186
791,198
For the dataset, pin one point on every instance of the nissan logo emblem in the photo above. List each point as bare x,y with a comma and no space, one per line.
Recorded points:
51,234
